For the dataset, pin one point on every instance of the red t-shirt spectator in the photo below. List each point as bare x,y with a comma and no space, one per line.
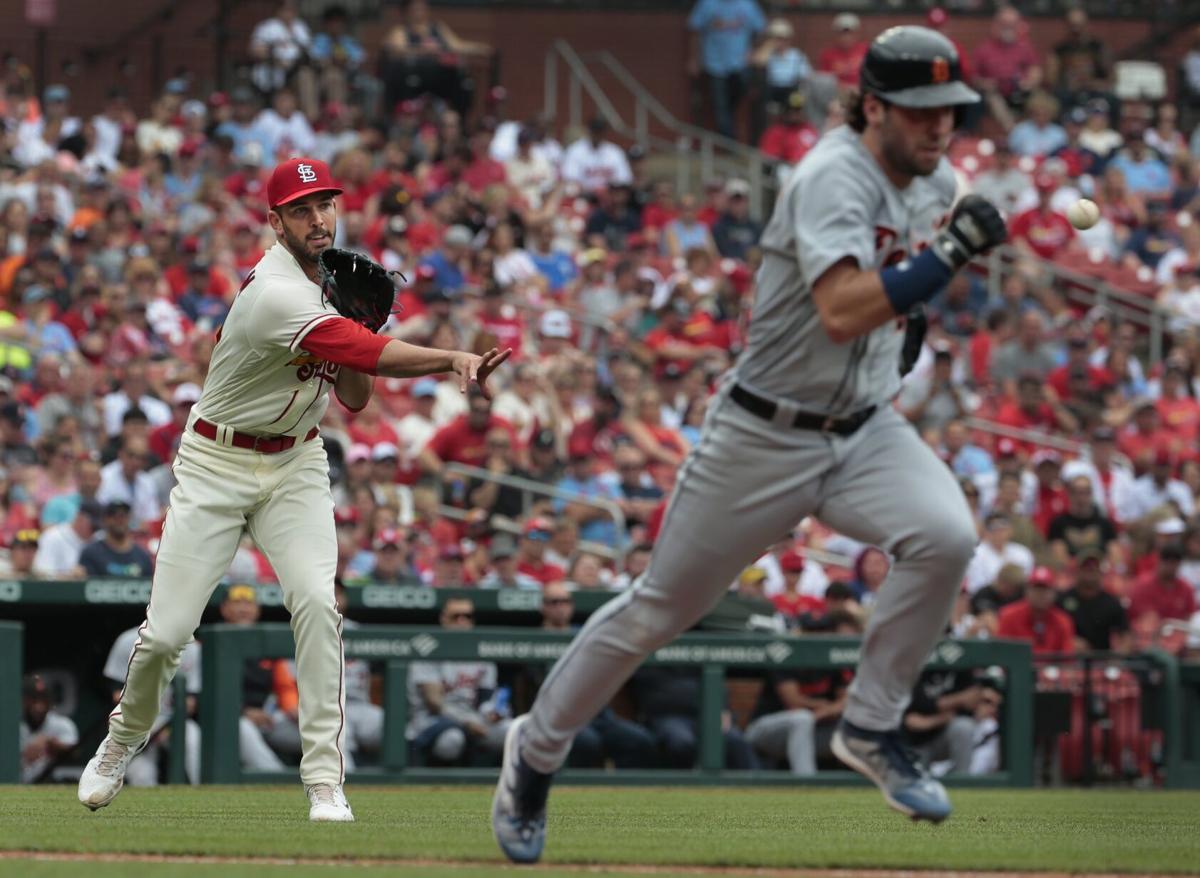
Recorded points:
788,143
1050,631
842,62
1012,415
1098,378
1180,417
162,440
1046,233
509,331
1150,594
1137,445
655,216
484,172
458,443
1004,63
543,571
796,605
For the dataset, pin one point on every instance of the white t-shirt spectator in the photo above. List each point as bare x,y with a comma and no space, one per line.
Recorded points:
1148,496
142,495
31,148
986,563
154,137
286,45
594,167
514,267
117,403
464,686
57,726
813,581
1118,500
414,433
274,129
58,551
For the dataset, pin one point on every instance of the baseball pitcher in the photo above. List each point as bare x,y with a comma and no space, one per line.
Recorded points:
864,231
251,457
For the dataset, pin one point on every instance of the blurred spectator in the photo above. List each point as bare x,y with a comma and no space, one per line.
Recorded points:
964,457
995,550
1082,526
283,128
133,391
1161,595
1142,440
637,559
1036,407
164,440
790,602
1079,67
503,572
1078,359
1158,488
1145,173
943,718
1028,353
1007,588
1038,134
391,563
448,261
791,135
614,219
421,55
734,233
584,480
464,439
454,714
1097,136
113,553
492,497
1042,229
797,710
1111,482
530,173
60,546
726,30
1100,620
784,68
339,58
535,536
1004,183
281,47
22,551
592,162
126,481
1006,65
45,735
1167,140
639,494
1151,242
933,399
667,701
38,137
844,56
1036,619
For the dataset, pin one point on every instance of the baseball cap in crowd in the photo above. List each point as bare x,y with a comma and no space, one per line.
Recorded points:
792,562
396,225
298,177
34,294
458,236
537,529
503,546
358,451
555,324
389,536
1077,116
780,29
544,440
1046,455
1045,183
33,686
937,17
56,92
241,592
636,152
194,108
1170,527
751,576
345,515
737,188
28,536
186,394
846,21
116,507
385,451
425,387
592,255
838,591
1006,448
1162,458
1041,577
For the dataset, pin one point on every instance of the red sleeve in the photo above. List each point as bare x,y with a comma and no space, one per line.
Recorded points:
344,342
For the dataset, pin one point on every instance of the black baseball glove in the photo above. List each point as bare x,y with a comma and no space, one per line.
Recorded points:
915,326
358,287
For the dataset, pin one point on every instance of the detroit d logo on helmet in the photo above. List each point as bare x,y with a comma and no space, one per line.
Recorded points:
940,72
307,174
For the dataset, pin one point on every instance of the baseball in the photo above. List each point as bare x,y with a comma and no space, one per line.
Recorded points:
1083,214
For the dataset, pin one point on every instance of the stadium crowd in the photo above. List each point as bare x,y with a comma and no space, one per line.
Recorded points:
126,232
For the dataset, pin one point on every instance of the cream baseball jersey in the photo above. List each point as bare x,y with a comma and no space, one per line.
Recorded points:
838,203
261,380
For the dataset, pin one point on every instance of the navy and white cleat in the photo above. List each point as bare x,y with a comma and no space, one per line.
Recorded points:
519,806
883,759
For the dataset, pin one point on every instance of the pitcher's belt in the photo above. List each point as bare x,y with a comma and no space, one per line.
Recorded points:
260,444
765,409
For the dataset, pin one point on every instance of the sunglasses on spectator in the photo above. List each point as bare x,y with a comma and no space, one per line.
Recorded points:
553,601
461,617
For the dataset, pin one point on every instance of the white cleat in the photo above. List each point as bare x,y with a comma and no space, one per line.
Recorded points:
328,804
104,775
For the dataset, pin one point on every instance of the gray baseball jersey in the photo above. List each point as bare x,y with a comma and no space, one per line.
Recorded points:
837,204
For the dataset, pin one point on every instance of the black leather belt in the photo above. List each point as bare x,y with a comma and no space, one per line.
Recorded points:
766,409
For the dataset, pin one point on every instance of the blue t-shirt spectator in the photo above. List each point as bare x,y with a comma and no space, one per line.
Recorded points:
599,530
1027,138
343,48
557,267
787,69
1146,174
100,559
727,28
446,274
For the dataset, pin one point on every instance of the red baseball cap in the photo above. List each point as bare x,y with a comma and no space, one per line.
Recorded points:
792,562
1042,576
298,177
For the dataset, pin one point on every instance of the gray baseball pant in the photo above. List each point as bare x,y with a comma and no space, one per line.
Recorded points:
747,483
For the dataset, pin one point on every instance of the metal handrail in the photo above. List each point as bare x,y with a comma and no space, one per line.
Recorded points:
529,486
688,139
1088,290
1037,437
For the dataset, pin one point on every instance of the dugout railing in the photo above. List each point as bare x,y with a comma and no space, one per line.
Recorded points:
227,648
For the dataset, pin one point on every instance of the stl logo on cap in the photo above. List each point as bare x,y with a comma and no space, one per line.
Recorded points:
941,70
297,178
307,174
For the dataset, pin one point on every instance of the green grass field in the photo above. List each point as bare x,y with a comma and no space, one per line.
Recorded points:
803,828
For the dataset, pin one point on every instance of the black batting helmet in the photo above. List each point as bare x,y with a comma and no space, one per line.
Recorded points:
915,67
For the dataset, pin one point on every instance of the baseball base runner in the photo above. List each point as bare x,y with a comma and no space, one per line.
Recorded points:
251,458
862,233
